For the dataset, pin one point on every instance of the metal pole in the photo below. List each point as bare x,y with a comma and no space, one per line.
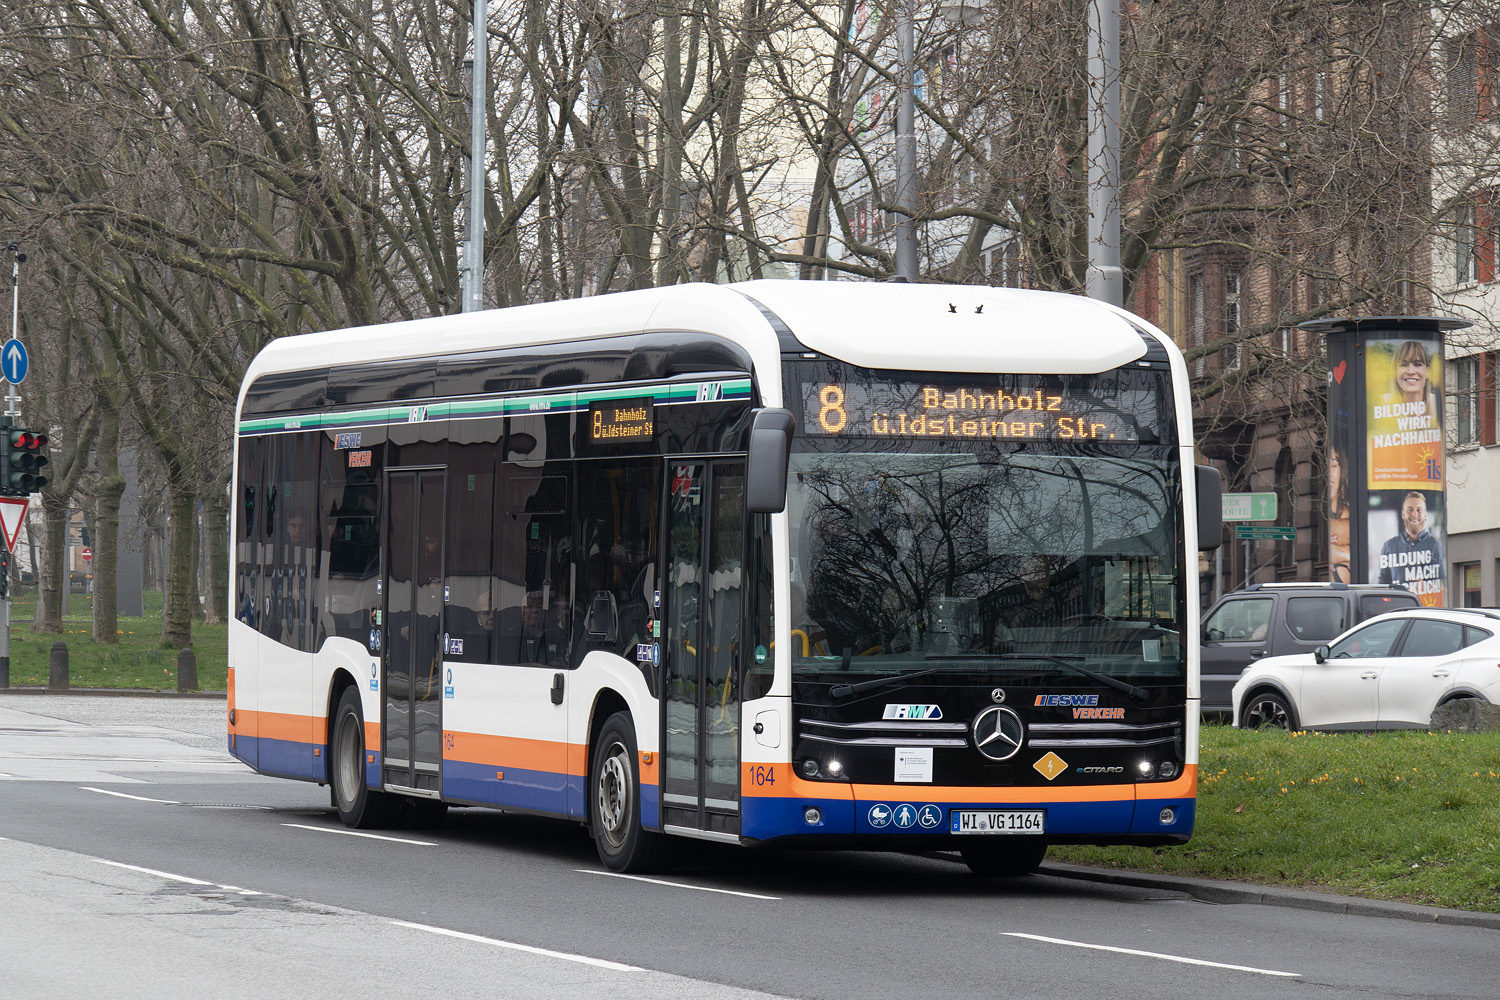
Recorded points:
906,149
1104,280
15,319
474,250
5,424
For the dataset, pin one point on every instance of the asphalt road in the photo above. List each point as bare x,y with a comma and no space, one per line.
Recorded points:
139,859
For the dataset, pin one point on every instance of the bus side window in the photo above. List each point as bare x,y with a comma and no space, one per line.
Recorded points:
535,622
618,516
248,514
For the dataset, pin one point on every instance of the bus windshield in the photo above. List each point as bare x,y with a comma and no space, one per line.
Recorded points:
983,560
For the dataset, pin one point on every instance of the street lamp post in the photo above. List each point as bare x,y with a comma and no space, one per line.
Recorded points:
1104,280
473,271
961,12
906,149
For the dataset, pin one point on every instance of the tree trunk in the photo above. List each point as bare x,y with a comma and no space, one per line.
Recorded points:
199,575
216,531
178,595
54,573
109,489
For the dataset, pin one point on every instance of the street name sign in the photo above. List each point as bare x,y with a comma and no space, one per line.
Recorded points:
1279,532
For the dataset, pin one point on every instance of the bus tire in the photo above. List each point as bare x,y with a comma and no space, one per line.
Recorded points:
1004,857
615,801
357,805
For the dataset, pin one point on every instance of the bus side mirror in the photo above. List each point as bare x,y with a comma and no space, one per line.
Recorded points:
1320,654
770,450
1210,487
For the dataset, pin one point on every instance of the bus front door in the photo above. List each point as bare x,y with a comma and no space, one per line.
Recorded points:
411,723
702,610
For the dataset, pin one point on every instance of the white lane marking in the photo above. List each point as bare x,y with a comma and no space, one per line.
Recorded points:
565,956
356,833
122,795
178,878
1153,954
674,885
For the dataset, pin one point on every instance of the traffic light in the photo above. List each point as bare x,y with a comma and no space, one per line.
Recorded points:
21,462
4,570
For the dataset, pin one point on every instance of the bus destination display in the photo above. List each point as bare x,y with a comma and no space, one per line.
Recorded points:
1020,411
622,420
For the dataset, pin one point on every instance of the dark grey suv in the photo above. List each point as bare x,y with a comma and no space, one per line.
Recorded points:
1273,619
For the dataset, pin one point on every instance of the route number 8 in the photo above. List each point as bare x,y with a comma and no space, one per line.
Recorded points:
832,417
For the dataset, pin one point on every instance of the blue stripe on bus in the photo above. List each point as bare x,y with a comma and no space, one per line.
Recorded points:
765,818
541,791
283,758
1148,816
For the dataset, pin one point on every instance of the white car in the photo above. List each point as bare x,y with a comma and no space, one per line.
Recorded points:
1389,672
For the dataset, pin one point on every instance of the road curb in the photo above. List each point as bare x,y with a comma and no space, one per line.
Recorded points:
1211,891
115,692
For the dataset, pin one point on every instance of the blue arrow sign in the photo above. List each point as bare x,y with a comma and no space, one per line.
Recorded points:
14,360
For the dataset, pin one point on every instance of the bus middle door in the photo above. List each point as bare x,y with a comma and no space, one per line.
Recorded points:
702,610
412,725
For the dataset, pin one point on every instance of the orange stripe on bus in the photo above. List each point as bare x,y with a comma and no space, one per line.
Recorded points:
578,759
506,751
650,768
786,784
280,726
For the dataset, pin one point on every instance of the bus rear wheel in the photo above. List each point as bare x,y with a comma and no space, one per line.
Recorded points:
1004,857
615,802
357,805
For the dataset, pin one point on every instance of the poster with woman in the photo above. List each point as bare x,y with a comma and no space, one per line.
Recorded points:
1403,379
1404,458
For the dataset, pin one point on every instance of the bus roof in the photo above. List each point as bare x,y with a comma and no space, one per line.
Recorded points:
952,327
872,324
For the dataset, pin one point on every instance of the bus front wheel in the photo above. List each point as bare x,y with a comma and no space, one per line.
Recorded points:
1004,857
615,806
357,805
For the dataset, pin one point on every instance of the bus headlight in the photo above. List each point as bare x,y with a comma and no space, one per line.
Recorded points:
1146,769
1167,770
809,768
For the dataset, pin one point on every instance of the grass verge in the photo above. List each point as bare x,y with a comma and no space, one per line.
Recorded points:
135,662
1411,816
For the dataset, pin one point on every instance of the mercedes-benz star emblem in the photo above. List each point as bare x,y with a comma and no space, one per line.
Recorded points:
998,732
997,695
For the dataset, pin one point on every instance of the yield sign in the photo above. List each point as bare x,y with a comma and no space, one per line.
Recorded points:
12,514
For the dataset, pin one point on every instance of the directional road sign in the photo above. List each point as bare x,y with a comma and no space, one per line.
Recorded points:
1249,506
1283,533
13,361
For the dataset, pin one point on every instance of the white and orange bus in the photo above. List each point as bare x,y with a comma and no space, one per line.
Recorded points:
891,566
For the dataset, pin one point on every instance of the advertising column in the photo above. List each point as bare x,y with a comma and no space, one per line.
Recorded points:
1385,499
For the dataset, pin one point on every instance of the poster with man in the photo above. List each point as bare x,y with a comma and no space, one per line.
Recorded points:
1404,463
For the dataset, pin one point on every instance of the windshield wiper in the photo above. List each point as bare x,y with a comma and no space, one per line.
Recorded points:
841,691
1139,694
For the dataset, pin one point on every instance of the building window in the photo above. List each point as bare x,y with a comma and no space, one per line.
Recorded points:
1471,577
1466,400
1232,317
1471,75
1474,256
